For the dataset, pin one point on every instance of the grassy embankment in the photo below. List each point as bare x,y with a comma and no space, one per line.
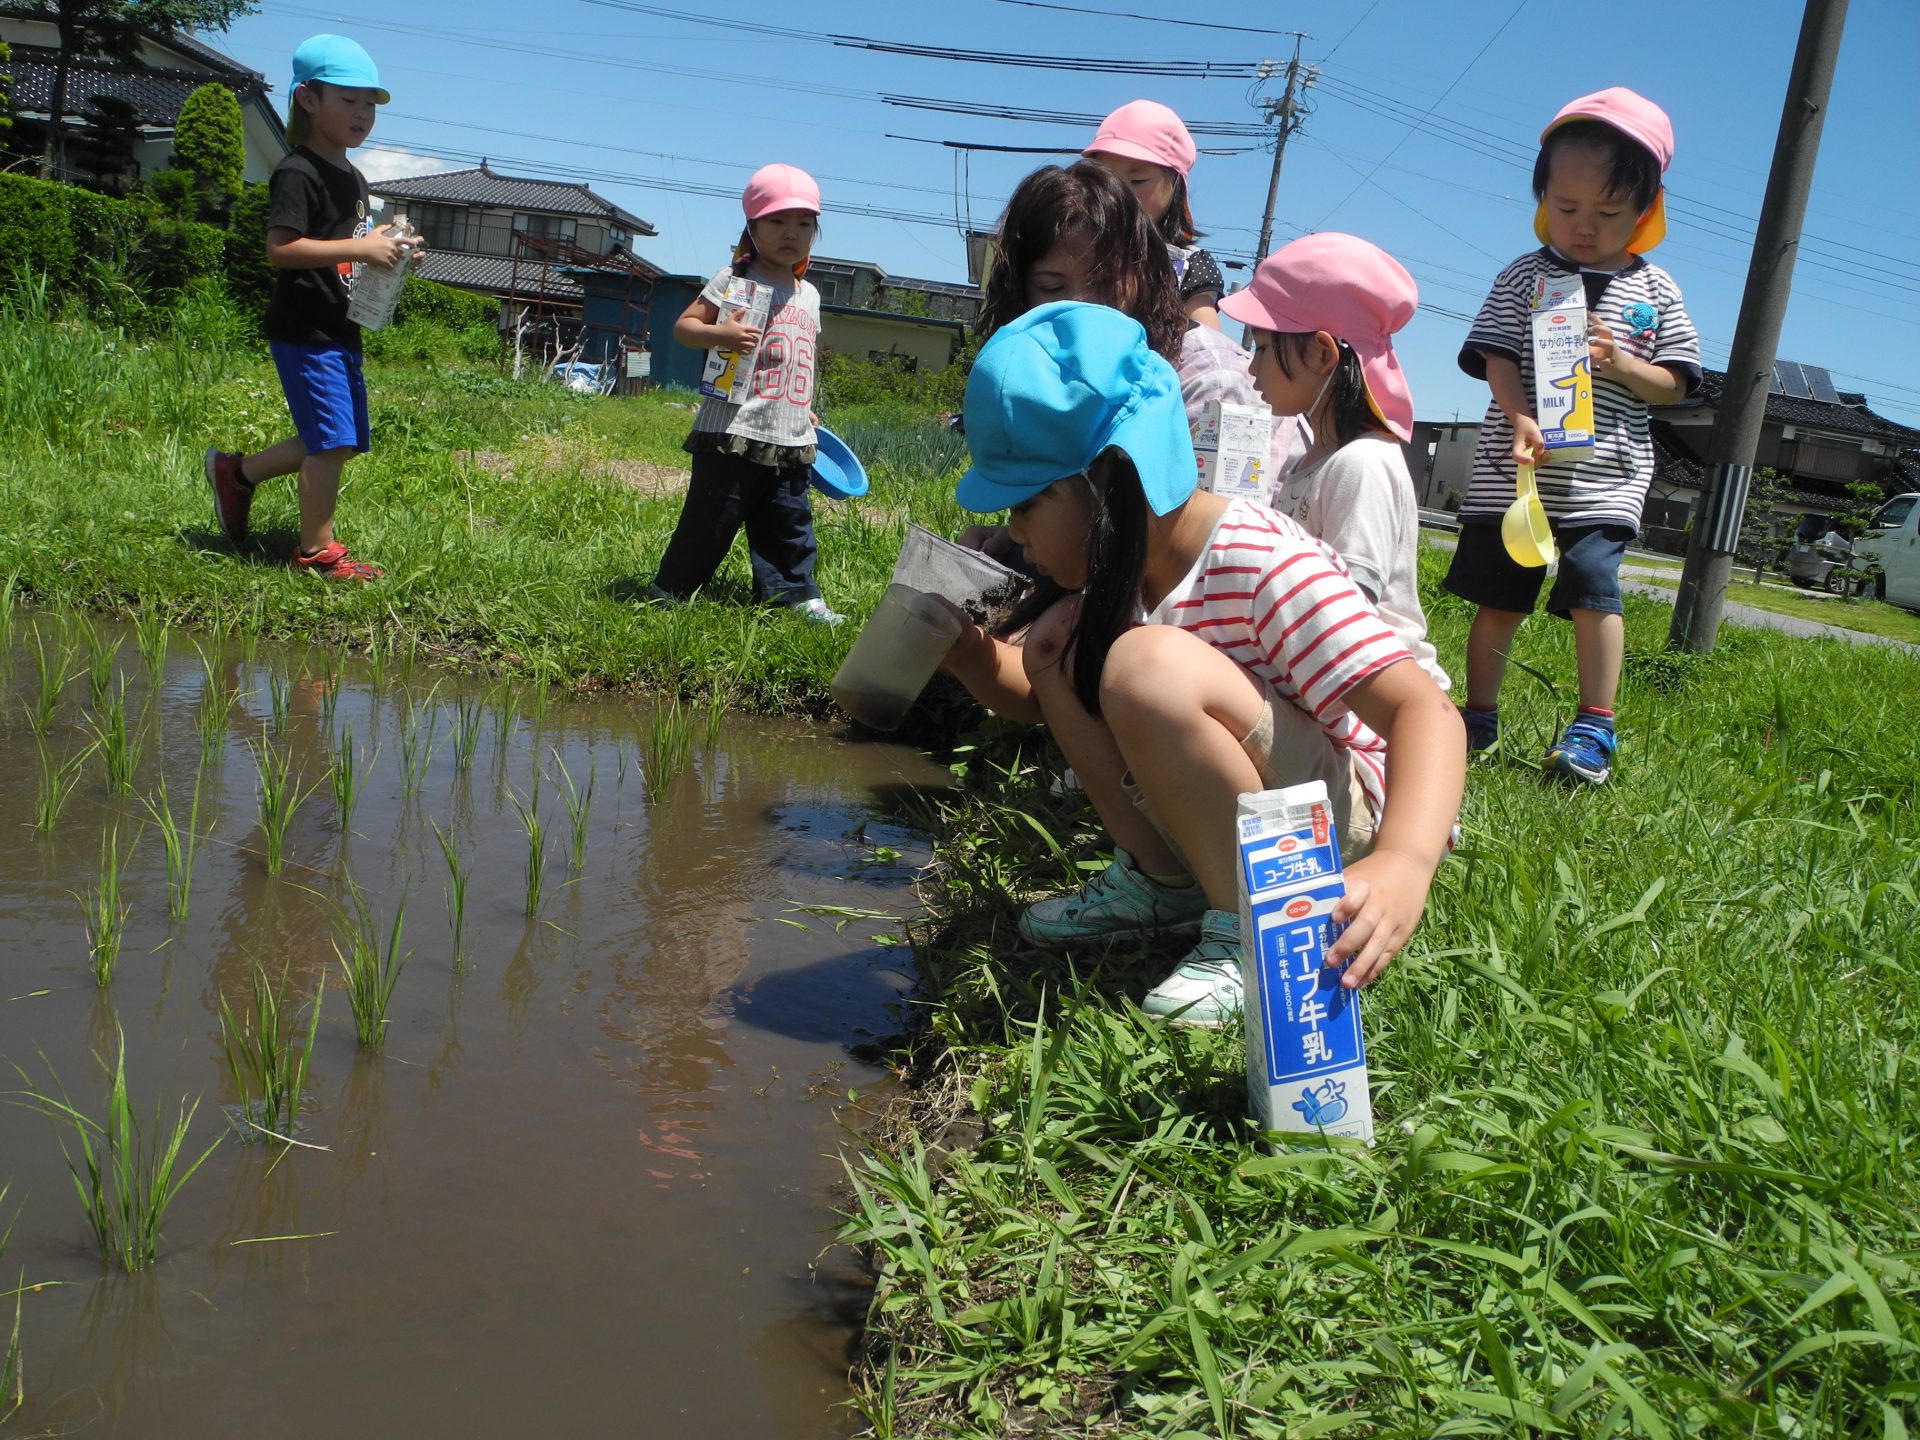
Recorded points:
1645,1079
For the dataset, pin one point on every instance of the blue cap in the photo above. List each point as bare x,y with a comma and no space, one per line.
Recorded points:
336,60
1057,386
837,471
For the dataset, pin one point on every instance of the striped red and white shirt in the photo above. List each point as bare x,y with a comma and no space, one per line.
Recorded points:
1277,601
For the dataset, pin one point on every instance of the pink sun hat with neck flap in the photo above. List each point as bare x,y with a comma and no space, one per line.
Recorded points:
1146,130
777,187
1353,290
1642,122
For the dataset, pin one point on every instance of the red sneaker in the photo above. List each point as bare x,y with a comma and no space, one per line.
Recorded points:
332,562
232,496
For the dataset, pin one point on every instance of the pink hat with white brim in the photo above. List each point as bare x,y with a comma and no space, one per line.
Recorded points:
1146,130
776,187
1353,290
1642,122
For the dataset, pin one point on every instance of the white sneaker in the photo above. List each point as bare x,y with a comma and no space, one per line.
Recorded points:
815,612
1205,988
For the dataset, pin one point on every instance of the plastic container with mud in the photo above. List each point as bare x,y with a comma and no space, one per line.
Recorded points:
903,643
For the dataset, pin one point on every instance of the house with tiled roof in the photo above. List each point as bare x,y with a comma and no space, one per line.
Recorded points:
171,66
558,257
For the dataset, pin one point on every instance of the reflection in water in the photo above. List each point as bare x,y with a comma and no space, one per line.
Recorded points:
596,1158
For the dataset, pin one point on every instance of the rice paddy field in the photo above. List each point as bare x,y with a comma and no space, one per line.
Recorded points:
1644,1082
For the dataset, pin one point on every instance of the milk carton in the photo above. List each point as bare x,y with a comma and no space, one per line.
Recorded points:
724,377
1306,1059
1232,443
1562,374
376,290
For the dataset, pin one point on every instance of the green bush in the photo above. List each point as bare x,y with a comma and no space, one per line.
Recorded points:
208,144
249,276
437,304
36,231
855,380
117,255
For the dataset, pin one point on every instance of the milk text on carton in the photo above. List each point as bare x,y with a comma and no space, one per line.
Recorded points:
1232,444
1562,370
1306,1056
724,377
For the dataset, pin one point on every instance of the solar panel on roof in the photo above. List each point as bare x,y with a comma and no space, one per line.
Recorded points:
1789,378
1820,382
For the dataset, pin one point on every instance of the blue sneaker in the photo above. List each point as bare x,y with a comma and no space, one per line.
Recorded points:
1483,729
1585,752
1206,988
1119,901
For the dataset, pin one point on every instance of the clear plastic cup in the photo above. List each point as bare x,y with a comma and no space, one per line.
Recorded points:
902,644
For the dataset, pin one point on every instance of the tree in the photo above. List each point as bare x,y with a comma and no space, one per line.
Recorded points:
6,88
110,29
1759,522
104,148
208,144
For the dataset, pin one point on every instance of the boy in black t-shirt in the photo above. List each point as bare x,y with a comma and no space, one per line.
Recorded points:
317,232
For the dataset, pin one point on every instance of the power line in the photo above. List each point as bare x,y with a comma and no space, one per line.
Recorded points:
1151,19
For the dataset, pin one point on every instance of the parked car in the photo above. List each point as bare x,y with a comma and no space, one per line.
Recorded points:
1891,548
1820,558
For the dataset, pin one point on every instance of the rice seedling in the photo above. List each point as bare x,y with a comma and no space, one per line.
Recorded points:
102,659
371,971
267,1059
416,751
331,674
106,916
216,706
406,651
180,845
51,676
13,1388
718,704
579,805
529,813
151,632
456,894
502,704
280,797
346,777
466,731
127,1173
57,782
669,747
119,752
379,651
279,701
9,593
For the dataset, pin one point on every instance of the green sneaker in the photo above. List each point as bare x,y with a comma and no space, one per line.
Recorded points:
1205,988
1118,901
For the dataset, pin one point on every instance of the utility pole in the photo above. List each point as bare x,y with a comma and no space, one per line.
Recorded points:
1702,597
1287,115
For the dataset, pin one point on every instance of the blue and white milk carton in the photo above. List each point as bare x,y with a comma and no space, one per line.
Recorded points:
1306,1059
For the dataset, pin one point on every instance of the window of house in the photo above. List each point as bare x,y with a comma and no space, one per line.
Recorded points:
443,227
551,227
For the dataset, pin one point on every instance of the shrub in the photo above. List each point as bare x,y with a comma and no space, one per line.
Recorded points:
249,276
36,234
444,305
208,145
113,254
853,380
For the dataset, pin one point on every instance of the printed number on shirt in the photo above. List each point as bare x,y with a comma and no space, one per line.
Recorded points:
773,380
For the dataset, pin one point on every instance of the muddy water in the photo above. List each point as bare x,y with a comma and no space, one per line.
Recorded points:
586,1186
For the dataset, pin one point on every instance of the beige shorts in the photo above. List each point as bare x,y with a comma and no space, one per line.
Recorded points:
1288,747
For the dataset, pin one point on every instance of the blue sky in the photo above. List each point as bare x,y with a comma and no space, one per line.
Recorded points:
1421,137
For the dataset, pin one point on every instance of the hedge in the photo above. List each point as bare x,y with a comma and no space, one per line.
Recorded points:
82,242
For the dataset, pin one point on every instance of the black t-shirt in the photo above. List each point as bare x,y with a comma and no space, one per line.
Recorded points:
320,201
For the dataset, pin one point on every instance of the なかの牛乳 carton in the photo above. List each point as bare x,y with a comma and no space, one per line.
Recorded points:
724,377
1306,1058
1231,444
1562,370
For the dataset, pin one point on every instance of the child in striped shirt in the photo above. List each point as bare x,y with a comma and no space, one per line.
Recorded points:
1209,648
1598,183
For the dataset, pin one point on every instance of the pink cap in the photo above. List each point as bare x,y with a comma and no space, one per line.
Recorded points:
774,188
1145,130
1642,122
1353,290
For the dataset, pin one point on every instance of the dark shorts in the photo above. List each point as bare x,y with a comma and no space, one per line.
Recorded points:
326,395
1588,578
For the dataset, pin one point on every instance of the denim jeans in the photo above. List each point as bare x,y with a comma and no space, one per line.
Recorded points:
726,493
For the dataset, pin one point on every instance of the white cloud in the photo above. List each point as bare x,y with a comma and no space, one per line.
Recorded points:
379,164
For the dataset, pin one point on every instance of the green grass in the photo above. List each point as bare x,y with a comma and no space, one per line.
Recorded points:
1870,617
1644,1081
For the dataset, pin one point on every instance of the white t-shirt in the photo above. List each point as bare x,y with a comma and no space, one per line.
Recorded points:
1281,605
778,406
1360,501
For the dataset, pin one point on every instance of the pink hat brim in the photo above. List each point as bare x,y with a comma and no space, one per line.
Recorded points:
1387,390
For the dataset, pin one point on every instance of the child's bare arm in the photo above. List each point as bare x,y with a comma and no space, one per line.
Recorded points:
1426,773
1510,394
1655,384
290,250
994,673
701,328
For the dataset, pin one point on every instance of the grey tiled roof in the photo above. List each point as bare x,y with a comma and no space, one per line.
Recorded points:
156,94
1847,419
481,186
495,275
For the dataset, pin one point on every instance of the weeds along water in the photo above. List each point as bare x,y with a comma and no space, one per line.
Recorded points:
1644,1082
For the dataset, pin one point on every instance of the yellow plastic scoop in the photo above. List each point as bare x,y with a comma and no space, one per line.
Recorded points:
1524,529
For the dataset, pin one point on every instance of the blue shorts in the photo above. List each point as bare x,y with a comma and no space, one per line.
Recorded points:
1588,579
326,394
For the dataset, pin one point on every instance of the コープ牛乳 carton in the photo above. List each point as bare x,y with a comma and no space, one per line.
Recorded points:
1306,1058
724,377
1232,444
1562,372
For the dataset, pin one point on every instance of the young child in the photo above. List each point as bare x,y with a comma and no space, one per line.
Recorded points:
1598,183
317,232
750,461
1322,312
1147,145
1215,648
